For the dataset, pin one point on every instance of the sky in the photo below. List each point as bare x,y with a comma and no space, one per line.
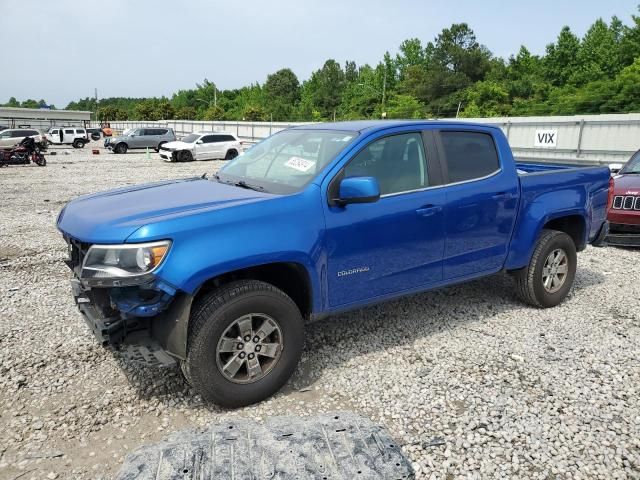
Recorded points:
63,49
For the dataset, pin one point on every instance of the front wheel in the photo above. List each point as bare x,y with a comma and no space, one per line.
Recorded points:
121,148
548,278
245,340
185,156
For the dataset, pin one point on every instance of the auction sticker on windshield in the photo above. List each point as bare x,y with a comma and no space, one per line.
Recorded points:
300,164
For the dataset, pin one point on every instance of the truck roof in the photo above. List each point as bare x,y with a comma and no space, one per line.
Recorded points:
370,125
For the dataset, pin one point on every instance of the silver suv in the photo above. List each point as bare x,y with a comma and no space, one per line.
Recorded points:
141,138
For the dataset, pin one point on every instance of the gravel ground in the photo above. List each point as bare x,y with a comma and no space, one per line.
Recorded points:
469,381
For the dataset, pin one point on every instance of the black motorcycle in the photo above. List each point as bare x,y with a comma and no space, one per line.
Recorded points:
23,154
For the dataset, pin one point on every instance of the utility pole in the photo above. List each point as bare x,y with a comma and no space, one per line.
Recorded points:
384,87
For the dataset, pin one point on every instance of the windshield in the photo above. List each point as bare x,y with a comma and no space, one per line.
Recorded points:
192,137
287,161
633,165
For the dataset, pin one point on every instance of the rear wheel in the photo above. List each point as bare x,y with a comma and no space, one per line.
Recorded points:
120,148
231,154
157,149
77,143
548,278
245,341
185,156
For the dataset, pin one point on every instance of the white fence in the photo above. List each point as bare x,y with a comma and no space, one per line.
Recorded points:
581,139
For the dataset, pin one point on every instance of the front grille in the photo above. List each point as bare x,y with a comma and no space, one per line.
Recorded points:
162,147
626,202
77,251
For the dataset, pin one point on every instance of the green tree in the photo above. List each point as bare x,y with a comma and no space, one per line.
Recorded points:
599,55
164,110
185,113
214,112
404,106
561,59
146,110
326,87
254,113
282,93
12,103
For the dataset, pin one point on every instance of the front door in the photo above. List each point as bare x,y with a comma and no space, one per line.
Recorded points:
208,148
392,245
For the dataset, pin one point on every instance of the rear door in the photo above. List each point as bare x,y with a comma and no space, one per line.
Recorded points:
69,135
481,203
150,138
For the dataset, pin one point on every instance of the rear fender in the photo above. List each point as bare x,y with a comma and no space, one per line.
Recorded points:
536,214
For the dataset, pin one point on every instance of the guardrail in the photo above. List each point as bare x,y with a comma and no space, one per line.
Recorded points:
581,140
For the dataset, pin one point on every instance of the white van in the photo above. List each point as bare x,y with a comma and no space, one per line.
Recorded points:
75,136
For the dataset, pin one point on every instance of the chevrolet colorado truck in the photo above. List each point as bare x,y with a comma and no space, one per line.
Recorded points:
222,273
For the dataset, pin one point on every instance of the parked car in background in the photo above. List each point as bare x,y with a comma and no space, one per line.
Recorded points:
75,136
94,133
141,138
11,137
202,146
313,221
624,205
3,127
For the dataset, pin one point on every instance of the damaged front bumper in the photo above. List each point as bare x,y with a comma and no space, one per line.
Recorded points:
148,322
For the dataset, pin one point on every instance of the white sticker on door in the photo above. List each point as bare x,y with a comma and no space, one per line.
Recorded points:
300,164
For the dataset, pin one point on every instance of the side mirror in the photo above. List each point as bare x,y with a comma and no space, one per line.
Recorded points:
358,190
615,167
199,142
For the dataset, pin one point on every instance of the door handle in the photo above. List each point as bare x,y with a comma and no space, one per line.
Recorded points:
501,196
428,210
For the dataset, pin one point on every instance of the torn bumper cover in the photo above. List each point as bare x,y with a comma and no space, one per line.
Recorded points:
136,316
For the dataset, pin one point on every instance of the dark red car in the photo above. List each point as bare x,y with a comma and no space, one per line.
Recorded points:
624,207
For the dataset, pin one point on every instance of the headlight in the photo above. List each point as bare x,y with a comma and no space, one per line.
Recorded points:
123,261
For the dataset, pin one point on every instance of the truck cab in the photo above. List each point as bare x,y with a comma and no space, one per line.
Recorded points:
222,273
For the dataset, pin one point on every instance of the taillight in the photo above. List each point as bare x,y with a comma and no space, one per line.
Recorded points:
611,188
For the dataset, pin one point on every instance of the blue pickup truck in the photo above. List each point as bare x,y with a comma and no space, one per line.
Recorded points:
222,273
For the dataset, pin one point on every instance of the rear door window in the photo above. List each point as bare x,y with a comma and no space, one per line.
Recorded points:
70,132
209,139
468,155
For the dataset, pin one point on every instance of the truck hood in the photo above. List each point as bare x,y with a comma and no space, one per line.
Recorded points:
627,184
112,216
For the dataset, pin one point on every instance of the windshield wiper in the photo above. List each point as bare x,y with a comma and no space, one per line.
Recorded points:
243,184
239,183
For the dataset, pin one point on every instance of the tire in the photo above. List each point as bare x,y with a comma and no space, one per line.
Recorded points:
120,148
530,281
41,161
77,143
157,149
215,316
184,156
231,154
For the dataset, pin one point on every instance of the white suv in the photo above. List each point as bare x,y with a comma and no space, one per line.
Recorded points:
76,136
13,136
202,146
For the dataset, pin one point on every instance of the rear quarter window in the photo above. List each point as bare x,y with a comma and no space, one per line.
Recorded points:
469,155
